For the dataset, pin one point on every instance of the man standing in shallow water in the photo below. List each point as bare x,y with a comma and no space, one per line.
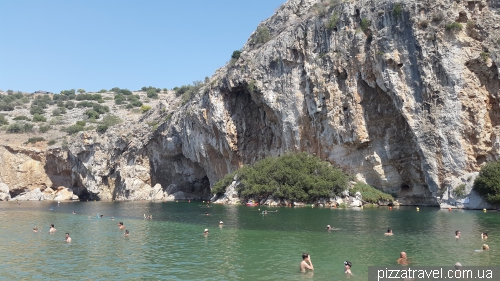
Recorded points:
68,239
52,228
306,263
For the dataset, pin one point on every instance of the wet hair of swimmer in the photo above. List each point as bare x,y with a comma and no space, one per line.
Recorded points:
305,255
126,231
348,263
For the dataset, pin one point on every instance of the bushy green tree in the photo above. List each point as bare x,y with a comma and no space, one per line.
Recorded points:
37,110
39,118
370,194
90,113
151,93
45,128
487,183
298,177
19,128
69,105
73,129
236,55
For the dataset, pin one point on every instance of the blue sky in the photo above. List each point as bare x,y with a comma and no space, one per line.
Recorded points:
55,45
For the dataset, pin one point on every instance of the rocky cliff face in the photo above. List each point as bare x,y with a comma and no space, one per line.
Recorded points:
393,92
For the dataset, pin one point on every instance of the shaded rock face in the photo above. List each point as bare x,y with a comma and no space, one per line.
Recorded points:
394,98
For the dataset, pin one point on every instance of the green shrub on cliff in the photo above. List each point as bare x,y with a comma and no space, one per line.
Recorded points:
487,184
397,9
297,177
370,194
454,26
262,35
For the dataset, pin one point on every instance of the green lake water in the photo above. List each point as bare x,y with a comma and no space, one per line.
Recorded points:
250,246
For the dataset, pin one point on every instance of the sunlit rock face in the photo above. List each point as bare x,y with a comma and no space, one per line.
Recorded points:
389,92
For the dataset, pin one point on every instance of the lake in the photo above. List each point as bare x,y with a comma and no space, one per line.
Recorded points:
250,246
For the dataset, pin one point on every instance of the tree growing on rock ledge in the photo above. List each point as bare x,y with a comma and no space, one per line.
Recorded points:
487,184
293,176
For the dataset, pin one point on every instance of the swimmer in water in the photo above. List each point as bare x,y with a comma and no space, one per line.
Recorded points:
485,247
52,229
126,233
207,214
120,225
389,232
306,263
221,224
347,268
328,228
484,236
74,213
68,239
457,234
35,229
205,233
403,259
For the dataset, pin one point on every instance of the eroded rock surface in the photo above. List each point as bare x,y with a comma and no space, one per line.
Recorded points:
384,90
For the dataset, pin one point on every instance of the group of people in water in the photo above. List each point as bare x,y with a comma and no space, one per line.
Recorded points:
67,239
53,230
306,263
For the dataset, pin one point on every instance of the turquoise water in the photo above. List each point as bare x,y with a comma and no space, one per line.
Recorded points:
250,246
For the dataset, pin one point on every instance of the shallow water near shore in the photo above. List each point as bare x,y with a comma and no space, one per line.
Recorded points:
250,246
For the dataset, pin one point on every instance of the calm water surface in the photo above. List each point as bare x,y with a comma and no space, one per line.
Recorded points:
250,246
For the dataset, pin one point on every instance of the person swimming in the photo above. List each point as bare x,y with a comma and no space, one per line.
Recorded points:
484,235
52,228
35,229
120,225
68,239
389,232
403,259
205,233
347,268
221,224
127,233
457,234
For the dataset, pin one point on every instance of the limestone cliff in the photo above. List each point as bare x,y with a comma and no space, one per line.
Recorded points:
405,95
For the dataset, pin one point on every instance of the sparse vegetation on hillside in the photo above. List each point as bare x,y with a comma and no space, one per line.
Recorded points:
298,177
72,111
35,140
188,91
